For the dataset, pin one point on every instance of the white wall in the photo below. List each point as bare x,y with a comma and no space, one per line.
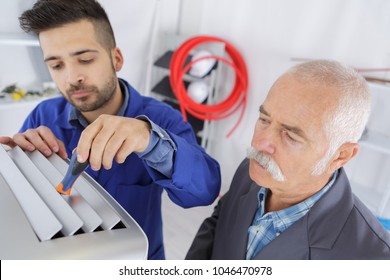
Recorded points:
267,33
133,26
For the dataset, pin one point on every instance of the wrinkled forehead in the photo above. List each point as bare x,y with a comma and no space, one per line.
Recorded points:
307,105
312,94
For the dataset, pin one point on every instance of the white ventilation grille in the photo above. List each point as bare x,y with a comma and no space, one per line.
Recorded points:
87,213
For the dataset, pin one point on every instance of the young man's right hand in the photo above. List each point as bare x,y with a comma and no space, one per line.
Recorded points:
41,139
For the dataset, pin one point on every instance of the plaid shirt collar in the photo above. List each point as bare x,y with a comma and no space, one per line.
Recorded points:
266,227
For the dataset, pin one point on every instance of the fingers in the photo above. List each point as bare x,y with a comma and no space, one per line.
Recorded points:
111,149
112,137
125,149
99,146
21,140
94,139
7,141
118,148
85,142
41,139
61,149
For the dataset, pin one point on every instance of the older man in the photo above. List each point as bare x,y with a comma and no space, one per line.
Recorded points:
291,198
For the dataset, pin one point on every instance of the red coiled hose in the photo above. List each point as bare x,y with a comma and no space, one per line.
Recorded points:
238,96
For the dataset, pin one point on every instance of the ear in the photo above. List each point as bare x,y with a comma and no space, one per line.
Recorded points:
344,154
117,59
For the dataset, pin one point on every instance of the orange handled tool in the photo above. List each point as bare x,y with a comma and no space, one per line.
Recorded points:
74,170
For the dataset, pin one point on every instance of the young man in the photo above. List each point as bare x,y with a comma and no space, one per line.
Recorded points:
291,199
143,145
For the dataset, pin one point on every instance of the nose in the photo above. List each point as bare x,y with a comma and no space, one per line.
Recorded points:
263,140
75,76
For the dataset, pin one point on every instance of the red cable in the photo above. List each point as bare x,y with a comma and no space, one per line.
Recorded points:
237,97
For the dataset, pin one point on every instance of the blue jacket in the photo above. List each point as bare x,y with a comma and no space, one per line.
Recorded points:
136,186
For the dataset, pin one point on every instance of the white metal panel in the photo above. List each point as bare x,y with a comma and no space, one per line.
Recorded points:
18,237
87,214
65,214
44,223
110,219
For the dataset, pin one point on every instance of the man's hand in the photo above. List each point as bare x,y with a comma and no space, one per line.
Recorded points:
110,137
41,139
7,141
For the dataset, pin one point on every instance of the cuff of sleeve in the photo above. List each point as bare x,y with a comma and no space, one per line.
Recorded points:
156,134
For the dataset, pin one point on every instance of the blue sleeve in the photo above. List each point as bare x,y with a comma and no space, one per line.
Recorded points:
196,178
160,151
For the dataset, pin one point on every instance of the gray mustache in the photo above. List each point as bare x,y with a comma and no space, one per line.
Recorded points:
267,163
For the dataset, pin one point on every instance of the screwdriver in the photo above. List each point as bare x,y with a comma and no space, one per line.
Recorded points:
74,171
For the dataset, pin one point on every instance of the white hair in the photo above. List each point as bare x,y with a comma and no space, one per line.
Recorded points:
346,122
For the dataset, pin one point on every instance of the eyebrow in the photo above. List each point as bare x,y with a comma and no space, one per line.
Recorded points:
293,129
263,111
54,57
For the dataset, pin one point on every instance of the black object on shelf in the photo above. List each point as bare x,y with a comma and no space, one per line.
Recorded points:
165,60
164,88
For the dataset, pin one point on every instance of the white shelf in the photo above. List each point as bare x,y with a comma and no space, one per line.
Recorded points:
376,141
8,103
15,39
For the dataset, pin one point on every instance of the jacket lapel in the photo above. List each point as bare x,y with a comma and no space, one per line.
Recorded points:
245,213
328,216
292,244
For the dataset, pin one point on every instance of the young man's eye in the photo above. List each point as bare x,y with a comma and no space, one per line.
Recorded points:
86,61
56,66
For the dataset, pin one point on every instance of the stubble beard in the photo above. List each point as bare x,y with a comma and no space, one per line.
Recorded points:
99,97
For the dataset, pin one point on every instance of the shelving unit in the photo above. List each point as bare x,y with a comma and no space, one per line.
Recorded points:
161,88
13,113
32,43
16,39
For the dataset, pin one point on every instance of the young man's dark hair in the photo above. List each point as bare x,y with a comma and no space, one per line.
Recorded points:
43,17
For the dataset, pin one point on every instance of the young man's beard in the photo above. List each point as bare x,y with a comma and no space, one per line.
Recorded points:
102,97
